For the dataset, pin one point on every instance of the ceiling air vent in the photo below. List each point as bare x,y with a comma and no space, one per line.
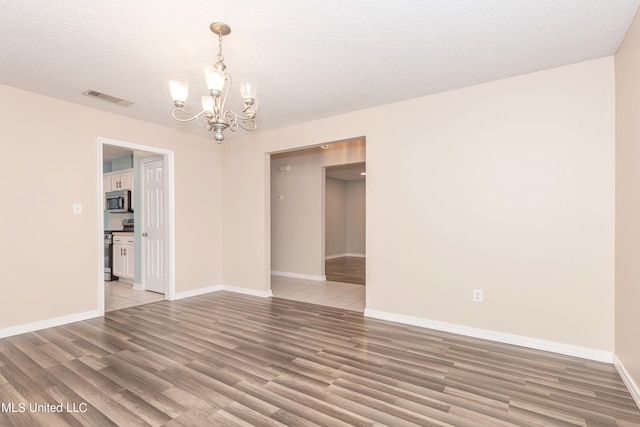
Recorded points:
108,98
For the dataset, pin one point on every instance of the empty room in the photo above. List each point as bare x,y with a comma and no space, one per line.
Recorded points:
167,260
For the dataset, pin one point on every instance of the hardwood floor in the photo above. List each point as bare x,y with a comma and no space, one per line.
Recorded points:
230,359
345,270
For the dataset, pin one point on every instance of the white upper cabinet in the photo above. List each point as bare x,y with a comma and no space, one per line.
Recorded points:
119,180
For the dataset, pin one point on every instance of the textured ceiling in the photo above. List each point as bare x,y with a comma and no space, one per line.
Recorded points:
347,172
311,59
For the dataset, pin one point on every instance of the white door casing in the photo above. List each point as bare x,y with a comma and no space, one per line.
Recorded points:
154,251
169,269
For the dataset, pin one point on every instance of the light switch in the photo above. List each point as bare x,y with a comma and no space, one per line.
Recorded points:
77,208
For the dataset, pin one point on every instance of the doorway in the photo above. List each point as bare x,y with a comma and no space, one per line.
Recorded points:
297,224
134,292
345,223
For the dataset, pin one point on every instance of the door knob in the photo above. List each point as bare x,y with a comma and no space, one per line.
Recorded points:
144,234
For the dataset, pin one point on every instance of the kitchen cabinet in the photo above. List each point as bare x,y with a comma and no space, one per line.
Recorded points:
119,180
124,256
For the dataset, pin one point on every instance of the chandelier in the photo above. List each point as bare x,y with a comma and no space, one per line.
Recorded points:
213,114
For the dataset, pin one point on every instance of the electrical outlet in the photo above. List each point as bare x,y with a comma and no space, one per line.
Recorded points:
477,295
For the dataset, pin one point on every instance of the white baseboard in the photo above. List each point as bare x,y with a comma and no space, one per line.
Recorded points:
247,291
49,323
58,321
299,276
554,347
138,287
218,288
633,388
345,255
196,292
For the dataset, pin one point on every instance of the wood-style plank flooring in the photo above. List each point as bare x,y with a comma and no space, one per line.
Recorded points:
225,359
346,270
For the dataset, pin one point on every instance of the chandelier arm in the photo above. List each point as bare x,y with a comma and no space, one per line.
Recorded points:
232,119
250,111
207,119
248,122
225,91
196,117
237,121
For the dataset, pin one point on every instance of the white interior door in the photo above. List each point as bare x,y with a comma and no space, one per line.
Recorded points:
153,225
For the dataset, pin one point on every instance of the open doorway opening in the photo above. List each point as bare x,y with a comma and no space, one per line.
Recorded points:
345,223
142,178
299,224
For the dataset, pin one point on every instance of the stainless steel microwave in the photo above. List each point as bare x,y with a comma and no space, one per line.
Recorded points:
118,201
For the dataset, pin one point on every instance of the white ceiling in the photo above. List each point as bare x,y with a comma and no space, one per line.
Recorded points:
347,172
312,59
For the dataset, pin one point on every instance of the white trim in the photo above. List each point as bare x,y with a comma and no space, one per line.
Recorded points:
218,288
554,347
246,291
138,287
322,278
196,292
100,218
58,321
171,197
345,255
633,388
49,323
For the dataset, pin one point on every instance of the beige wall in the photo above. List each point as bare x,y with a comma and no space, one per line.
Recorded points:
627,65
335,219
345,217
356,217
49,264
506,186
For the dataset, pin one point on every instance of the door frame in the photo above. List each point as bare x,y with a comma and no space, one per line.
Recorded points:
268,201
169,192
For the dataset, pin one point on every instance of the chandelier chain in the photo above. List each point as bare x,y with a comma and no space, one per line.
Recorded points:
220,57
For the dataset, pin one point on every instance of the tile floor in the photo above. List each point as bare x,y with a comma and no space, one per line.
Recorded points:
118,295
332,294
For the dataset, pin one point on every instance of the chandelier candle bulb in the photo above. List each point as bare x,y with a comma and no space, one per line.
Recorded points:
215,80
248,90
207,104
179,91
213,114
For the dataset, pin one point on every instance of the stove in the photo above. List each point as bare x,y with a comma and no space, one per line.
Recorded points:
108,255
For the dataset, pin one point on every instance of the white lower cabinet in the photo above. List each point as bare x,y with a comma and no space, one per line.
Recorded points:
124,256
